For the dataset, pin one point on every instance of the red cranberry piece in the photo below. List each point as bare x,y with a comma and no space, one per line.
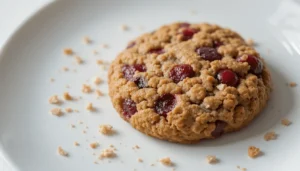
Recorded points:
188,33
217,44
219,130
256,65
165,104
228,77
208,53
184,25
140,82
157,50
129,108
129,70
130,45
180,72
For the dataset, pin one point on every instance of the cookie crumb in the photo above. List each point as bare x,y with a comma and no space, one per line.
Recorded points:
65,69
242,169
80,122
100,62
95,162
76,143
69,110
97,80
105,46
86,88
54,100
270,136
211,159
136,147
140,160
87,40
72,126
68,51
67,96
56,112
107,153
78,60
285,122
99,93
253,151
166,161
84,132
152,164
292,84
62,152
106,129
250,42
94,145
124,27
52,79
95,52
112,146
75,110
90,107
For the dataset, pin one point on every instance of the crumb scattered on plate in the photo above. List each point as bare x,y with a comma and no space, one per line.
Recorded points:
69,110
89,107
253,151
124,27
87,40
76,143
107,153
100,62
285,122
166,161
97,80
65,69
72,126
94,145
56,112
67,96
140,160
292,84
270,136
52,79
86,88
54,99
95,52
211,159
99,93
106,129
105,46
78,60
242,169
68,51
62,152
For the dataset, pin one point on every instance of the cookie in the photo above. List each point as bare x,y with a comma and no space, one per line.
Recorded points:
186,82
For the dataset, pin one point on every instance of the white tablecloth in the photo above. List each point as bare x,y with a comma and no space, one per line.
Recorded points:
12,14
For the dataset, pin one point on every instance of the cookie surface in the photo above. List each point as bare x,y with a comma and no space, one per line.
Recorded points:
185,82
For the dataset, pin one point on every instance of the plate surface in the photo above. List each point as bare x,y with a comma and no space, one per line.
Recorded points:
29,135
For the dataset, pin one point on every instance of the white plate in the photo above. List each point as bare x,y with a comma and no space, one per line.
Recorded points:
29,135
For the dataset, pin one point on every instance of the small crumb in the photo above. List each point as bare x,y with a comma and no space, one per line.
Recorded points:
95,52
136,147
285,122
140,160
67,96
62,152
100,62
56,112
166,161
211,159
94,145
52,79
111,146
76,143
68,51
292,84
89,107
99,93
87,40
107,153
270,136
80,122
65,69
253,151
105,46
75,110
78,60
86,88
95,162
242,169
97,80
106,129
67,86
69,110
250,42
72,126
124,27
54,100
84,132
152,164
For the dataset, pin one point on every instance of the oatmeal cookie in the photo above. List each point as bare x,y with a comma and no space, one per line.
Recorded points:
186,82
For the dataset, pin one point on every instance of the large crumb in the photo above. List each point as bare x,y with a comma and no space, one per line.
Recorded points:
86,88
292,84
166,161
90,107
78,60
68,51
97,80
67,96
94,145
140,160
107,153
56,112
62,152
285,122
270,136
250,42
54,99
76,143
253,152
87,40
99,93
106,129
211,159
124,27
69,110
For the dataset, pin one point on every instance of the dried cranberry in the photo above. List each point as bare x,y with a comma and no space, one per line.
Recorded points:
228,77
188,33
165,104
256,65
180,72
129,108
140,82
219,130
157,50
129,70
208,53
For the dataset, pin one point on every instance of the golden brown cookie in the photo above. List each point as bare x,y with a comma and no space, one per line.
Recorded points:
185,82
